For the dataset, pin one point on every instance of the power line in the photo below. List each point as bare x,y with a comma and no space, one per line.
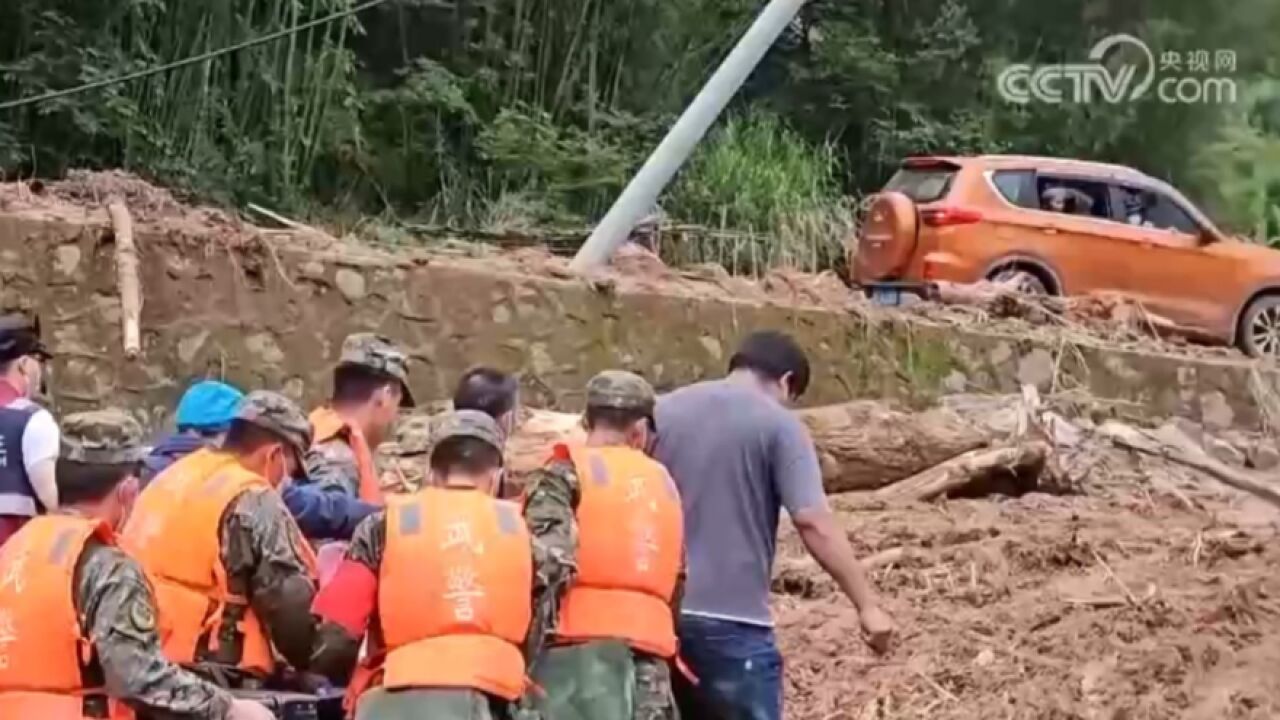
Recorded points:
271,37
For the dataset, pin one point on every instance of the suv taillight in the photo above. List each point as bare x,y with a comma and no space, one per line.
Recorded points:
947,216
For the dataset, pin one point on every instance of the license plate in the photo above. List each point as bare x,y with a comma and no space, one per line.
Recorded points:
886,296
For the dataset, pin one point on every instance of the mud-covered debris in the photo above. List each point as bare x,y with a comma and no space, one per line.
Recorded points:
83,195
1102,317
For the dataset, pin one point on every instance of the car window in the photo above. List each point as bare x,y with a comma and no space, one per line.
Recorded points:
1153,209
1073,196
1017,186
922,184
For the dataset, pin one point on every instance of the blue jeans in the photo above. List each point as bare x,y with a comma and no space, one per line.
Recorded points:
739,670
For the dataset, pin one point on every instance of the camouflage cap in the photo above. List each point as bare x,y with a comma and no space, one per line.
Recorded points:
278,415
379,353
102,437
622,390
472,424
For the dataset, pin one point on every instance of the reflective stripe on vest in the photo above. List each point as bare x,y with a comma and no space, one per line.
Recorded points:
454,592
17,497
630,545
43,651
174,531
57,706
329,425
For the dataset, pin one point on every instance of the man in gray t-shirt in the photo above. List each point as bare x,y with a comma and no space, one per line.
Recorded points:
739,456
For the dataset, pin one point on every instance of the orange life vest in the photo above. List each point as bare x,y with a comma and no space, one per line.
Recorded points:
44,652
329,425
174,531
630,547
454,592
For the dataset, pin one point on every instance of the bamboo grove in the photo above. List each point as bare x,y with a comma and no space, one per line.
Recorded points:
494,112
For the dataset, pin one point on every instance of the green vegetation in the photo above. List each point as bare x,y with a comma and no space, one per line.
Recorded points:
513,114
779,193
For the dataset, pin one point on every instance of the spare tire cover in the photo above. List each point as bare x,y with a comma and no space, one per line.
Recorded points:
887,238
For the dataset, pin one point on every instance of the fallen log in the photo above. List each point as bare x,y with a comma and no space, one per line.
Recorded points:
861,445
1172,444
127,277
1011,470
864,445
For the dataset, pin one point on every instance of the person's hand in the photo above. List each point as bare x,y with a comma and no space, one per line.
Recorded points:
249,710
879,628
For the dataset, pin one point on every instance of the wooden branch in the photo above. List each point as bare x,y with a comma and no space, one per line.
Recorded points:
861,445
1172,444
884,558
127,278
964,469
1133,599
291,224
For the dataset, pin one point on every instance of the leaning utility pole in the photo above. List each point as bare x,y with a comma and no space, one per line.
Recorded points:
643,190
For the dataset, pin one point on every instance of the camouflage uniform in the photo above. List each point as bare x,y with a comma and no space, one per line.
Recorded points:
261,545
337,651
114,599
332,464
404,460
551,511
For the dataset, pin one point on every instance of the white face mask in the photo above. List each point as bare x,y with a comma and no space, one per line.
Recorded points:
279,466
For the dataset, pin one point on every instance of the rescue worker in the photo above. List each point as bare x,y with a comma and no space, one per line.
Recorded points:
234,577
441,583
28,433
610,521
492,392
370,385
77,616
203,417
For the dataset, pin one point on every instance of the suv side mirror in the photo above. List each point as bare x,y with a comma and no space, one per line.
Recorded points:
1208,237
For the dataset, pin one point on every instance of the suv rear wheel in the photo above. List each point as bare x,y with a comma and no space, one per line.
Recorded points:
1260,328
1024,281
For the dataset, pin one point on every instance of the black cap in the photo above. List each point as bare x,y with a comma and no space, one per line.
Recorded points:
20,336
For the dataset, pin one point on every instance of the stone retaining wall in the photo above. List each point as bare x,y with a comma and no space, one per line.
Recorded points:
274,315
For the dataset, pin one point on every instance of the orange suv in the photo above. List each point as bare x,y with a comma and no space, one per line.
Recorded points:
1069,227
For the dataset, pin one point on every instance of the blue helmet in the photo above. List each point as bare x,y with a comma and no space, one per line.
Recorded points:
208,406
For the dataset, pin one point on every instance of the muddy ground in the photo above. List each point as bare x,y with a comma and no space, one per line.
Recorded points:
1151,595
1146,591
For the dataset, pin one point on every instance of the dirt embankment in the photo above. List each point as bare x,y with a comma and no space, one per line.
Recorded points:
1100,320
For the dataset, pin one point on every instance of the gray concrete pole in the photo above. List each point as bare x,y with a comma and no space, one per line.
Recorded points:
678,145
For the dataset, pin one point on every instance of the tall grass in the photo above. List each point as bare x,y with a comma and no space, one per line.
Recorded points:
505,115
252,119
777,193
